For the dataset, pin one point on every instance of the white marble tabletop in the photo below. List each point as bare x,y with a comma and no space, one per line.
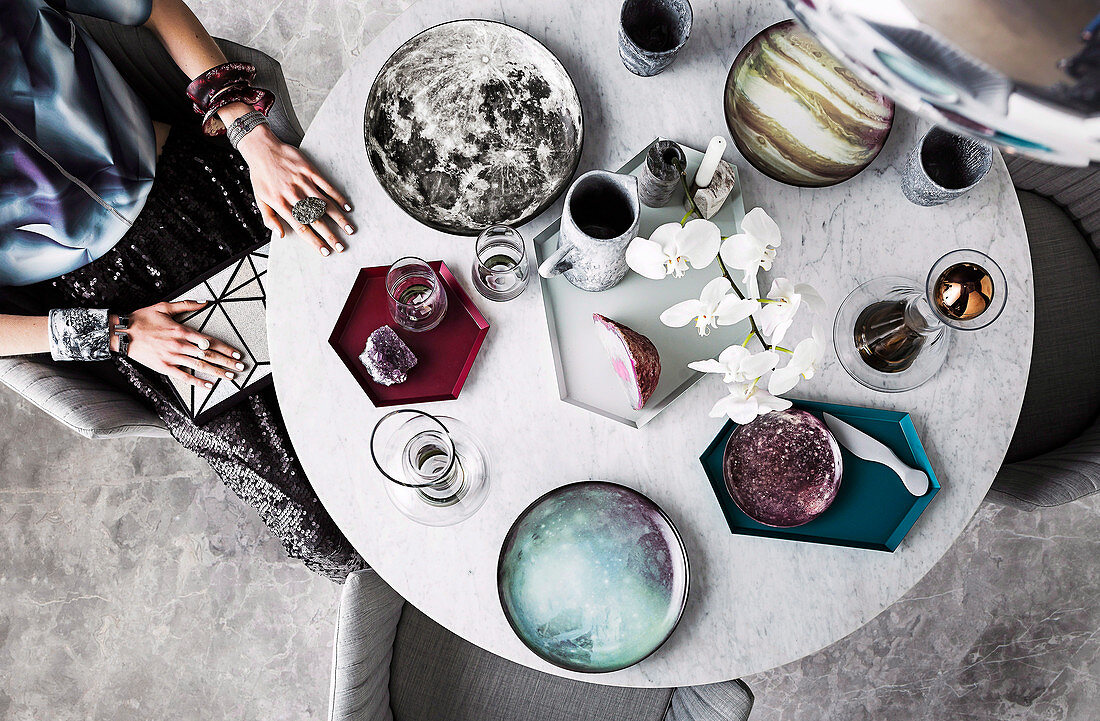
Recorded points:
755,603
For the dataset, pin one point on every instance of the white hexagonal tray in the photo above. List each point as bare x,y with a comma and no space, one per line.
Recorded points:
585,378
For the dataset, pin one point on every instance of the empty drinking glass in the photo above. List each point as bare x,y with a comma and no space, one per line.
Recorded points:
417,298
501,271
438,472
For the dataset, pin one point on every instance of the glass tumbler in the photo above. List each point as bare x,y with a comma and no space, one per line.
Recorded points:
501,270
417,298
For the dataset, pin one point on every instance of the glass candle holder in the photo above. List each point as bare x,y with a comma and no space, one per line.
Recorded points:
892,334
501,270
417,298
437,471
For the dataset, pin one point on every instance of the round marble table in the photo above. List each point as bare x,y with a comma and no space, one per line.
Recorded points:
755,603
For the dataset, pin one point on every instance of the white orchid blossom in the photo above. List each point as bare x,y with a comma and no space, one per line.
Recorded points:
754,248
803,364
746,401
738,364
776,316
671,247
715,306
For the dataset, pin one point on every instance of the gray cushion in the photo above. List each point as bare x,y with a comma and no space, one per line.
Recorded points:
365,629
74,396
437,676
1063,396
726,701
149,69
1077,190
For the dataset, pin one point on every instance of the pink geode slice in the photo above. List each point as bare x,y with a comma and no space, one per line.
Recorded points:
783,469
633,357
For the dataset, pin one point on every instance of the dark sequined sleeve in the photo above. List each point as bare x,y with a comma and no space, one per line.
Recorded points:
80,334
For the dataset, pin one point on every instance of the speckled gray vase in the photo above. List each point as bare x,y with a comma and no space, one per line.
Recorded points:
599,220
661,173
943,166
651,32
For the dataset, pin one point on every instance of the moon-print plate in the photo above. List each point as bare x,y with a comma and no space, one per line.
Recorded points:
472,123
593,577
798,114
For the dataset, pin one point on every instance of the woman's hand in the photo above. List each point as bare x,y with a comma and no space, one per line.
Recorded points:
158,342
281,176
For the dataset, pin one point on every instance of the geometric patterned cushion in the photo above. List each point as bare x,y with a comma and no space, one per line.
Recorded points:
237,315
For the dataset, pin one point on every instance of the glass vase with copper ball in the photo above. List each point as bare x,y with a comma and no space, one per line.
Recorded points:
892,334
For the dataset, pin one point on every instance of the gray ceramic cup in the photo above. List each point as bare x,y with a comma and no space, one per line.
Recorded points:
651,32
943,166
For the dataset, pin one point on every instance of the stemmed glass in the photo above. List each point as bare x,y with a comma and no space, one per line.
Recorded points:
438,471
892,335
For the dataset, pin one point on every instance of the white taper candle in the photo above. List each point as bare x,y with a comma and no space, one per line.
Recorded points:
710,161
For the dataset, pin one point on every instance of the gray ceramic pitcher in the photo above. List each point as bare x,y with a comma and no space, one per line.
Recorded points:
599,220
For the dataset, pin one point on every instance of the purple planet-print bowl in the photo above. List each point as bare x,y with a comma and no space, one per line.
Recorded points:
783,469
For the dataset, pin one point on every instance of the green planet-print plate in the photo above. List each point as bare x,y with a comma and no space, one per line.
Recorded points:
593,577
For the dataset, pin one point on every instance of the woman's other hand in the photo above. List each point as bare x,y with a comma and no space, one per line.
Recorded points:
159,342
281,176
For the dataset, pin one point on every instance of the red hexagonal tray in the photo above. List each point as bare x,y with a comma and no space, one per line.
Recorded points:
444,354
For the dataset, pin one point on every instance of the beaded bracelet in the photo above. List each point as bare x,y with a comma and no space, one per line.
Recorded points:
244,125
224,84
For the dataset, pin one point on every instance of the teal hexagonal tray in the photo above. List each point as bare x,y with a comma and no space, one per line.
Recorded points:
872,508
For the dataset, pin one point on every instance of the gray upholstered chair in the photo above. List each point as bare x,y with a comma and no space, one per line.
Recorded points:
72,393
392,662
1054,457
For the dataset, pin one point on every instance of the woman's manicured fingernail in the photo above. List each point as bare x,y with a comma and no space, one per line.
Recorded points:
208,385
325,251
240,366
349,229
230,374
347,207
238,357
339,247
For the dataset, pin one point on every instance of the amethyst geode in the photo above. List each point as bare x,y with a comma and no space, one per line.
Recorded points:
783,469
387,358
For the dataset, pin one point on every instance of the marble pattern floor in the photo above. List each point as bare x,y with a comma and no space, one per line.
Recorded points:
133,585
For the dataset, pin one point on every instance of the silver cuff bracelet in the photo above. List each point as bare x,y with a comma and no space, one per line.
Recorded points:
80,334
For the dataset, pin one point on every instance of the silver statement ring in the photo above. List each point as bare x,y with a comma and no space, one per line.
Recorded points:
309,210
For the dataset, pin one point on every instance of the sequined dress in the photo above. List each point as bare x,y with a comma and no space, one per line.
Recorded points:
200,212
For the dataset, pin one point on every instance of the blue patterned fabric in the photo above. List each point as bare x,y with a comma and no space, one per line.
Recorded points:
77,149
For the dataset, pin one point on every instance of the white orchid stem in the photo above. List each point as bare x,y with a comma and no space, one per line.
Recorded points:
687,189
752,321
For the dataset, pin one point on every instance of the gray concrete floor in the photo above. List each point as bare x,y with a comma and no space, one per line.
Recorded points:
133,585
